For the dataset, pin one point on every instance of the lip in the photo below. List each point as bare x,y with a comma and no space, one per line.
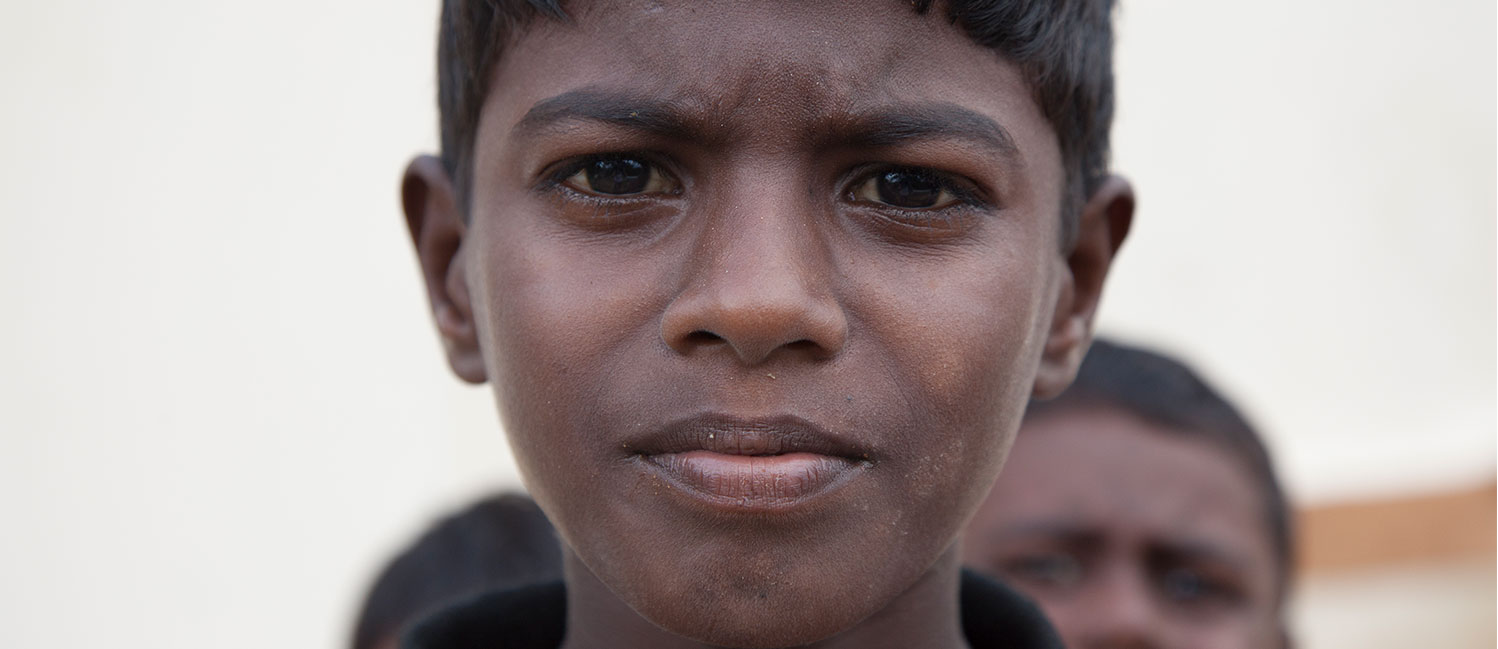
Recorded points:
764,464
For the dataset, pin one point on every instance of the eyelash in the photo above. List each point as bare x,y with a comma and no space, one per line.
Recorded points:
554,180
962,189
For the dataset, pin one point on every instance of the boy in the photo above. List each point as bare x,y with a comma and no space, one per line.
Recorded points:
762,289
1140,509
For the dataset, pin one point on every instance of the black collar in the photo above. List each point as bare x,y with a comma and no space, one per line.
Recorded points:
535,617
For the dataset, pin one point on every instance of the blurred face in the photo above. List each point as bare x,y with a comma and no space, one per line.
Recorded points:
762,289
1130,536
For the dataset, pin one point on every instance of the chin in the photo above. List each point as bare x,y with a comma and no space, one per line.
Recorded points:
762,620
753,595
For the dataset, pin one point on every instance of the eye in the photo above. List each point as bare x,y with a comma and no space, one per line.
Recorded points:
618,175
1049,570
1190,588
909,188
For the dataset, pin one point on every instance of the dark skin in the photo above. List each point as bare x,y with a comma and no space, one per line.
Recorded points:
1130,535
828,232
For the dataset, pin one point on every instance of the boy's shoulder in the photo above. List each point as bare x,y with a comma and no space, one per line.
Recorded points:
535,617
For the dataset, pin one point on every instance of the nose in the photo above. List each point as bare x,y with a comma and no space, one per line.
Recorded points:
759,284
1121,613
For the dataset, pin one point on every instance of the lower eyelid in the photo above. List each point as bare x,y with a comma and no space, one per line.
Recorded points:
605,200
956,217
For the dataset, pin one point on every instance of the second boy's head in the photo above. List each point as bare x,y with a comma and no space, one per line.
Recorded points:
1140,509
763,288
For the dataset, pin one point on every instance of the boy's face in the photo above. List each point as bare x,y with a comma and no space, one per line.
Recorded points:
1130,535
762,290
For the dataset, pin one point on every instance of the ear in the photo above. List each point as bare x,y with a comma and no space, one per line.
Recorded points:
1104,223
437,231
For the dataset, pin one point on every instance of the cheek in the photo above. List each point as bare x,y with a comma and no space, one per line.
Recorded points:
553,330
963,342
964,338
543,302
1245,632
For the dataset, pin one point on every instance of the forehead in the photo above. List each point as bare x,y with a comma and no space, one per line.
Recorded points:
767,68
1112,473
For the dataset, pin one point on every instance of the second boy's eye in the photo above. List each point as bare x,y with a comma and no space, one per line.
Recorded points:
1191,588
1057,571
907,188
619,176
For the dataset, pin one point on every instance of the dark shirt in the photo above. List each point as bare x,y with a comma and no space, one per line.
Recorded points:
535,617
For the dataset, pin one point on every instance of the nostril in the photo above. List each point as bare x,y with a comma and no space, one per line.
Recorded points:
802,345
703,337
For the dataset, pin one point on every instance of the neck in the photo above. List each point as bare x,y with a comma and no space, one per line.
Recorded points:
924,615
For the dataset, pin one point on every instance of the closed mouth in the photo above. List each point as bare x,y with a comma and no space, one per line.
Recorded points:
750,464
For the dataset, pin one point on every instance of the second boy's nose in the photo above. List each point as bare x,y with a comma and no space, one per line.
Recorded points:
1121,611
759,284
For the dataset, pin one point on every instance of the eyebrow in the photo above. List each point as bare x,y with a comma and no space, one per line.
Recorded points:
904,123
1078,534
1198,550
1049,529
619,109
886,126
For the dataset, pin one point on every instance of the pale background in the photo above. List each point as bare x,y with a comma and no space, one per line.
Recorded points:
222,404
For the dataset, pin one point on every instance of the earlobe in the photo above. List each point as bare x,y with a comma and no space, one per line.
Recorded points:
437,230
1101,229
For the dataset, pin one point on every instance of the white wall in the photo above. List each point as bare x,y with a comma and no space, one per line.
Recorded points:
1316,185
221,399
221,402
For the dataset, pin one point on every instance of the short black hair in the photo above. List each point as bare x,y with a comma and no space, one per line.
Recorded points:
1064,48
1167,393
503,541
